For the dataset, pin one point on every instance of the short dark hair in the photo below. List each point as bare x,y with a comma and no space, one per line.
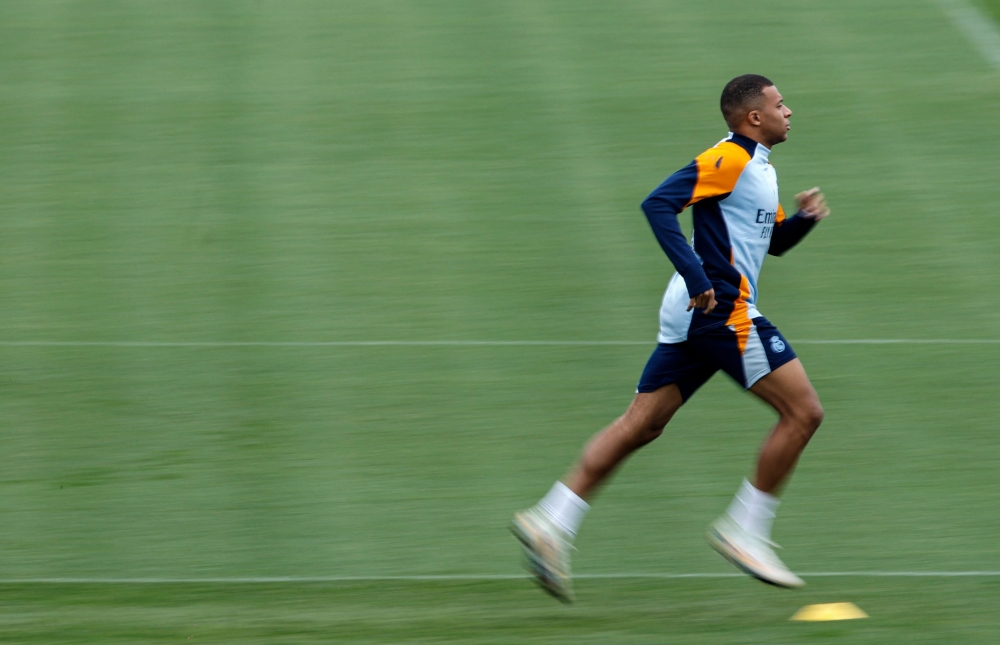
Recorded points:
739,93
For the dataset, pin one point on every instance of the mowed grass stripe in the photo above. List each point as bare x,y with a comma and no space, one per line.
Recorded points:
976,25
643,612
368,449
471,343
477,577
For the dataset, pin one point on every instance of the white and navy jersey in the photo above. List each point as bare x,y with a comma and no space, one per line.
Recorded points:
733,190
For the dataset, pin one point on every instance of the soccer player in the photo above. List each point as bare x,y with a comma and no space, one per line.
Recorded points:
708,321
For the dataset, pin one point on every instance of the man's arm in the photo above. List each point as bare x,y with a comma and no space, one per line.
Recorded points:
788,232
661,209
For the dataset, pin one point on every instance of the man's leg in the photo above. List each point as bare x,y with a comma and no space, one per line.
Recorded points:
743,534
642,422
547,529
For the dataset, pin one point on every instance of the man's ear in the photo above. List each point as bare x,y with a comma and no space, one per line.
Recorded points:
753,117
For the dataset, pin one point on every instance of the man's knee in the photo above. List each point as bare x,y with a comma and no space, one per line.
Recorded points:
815,414
640,430
808,416
651,432
649,413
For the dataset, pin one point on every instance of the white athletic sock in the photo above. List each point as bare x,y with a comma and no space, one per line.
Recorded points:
754,510
564,507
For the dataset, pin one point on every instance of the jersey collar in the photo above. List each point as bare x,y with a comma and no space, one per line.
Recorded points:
752,147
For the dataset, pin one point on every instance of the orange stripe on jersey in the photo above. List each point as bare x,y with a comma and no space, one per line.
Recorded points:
719,169
780,217
739,319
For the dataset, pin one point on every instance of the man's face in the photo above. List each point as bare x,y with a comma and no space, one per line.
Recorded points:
774,116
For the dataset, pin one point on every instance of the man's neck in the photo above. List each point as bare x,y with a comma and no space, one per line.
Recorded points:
753,136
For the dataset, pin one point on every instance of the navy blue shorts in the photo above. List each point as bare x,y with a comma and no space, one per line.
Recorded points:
691,363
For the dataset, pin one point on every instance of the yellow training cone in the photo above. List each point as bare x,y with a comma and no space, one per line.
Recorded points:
830,611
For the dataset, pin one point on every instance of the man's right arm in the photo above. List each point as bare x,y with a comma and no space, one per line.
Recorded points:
661,209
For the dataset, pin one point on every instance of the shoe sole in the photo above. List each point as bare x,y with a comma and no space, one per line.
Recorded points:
540,573
723,547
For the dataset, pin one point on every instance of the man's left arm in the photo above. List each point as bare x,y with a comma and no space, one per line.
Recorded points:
788,232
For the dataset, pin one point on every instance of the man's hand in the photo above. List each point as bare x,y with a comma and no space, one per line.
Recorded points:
704,301
812,204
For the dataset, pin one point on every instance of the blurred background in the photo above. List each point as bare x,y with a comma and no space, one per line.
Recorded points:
269,271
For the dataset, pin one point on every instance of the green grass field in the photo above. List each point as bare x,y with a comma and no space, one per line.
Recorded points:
299,171
993,6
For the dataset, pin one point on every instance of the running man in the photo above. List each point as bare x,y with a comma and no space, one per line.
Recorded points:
708,321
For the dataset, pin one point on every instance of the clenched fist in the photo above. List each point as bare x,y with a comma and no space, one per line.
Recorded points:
812,204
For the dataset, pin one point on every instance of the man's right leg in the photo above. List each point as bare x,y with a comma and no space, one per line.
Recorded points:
546,530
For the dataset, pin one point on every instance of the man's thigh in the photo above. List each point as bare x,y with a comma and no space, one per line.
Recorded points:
788,390
651,411
675,364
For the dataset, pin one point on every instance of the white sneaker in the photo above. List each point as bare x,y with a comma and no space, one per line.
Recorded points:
751,553
546,549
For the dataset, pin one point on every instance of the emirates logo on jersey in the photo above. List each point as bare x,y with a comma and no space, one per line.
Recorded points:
766,217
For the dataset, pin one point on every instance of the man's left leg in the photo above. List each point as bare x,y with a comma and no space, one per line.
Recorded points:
547,529
743,534
672,374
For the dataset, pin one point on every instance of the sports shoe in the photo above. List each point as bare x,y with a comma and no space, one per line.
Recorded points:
751,553
546,550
